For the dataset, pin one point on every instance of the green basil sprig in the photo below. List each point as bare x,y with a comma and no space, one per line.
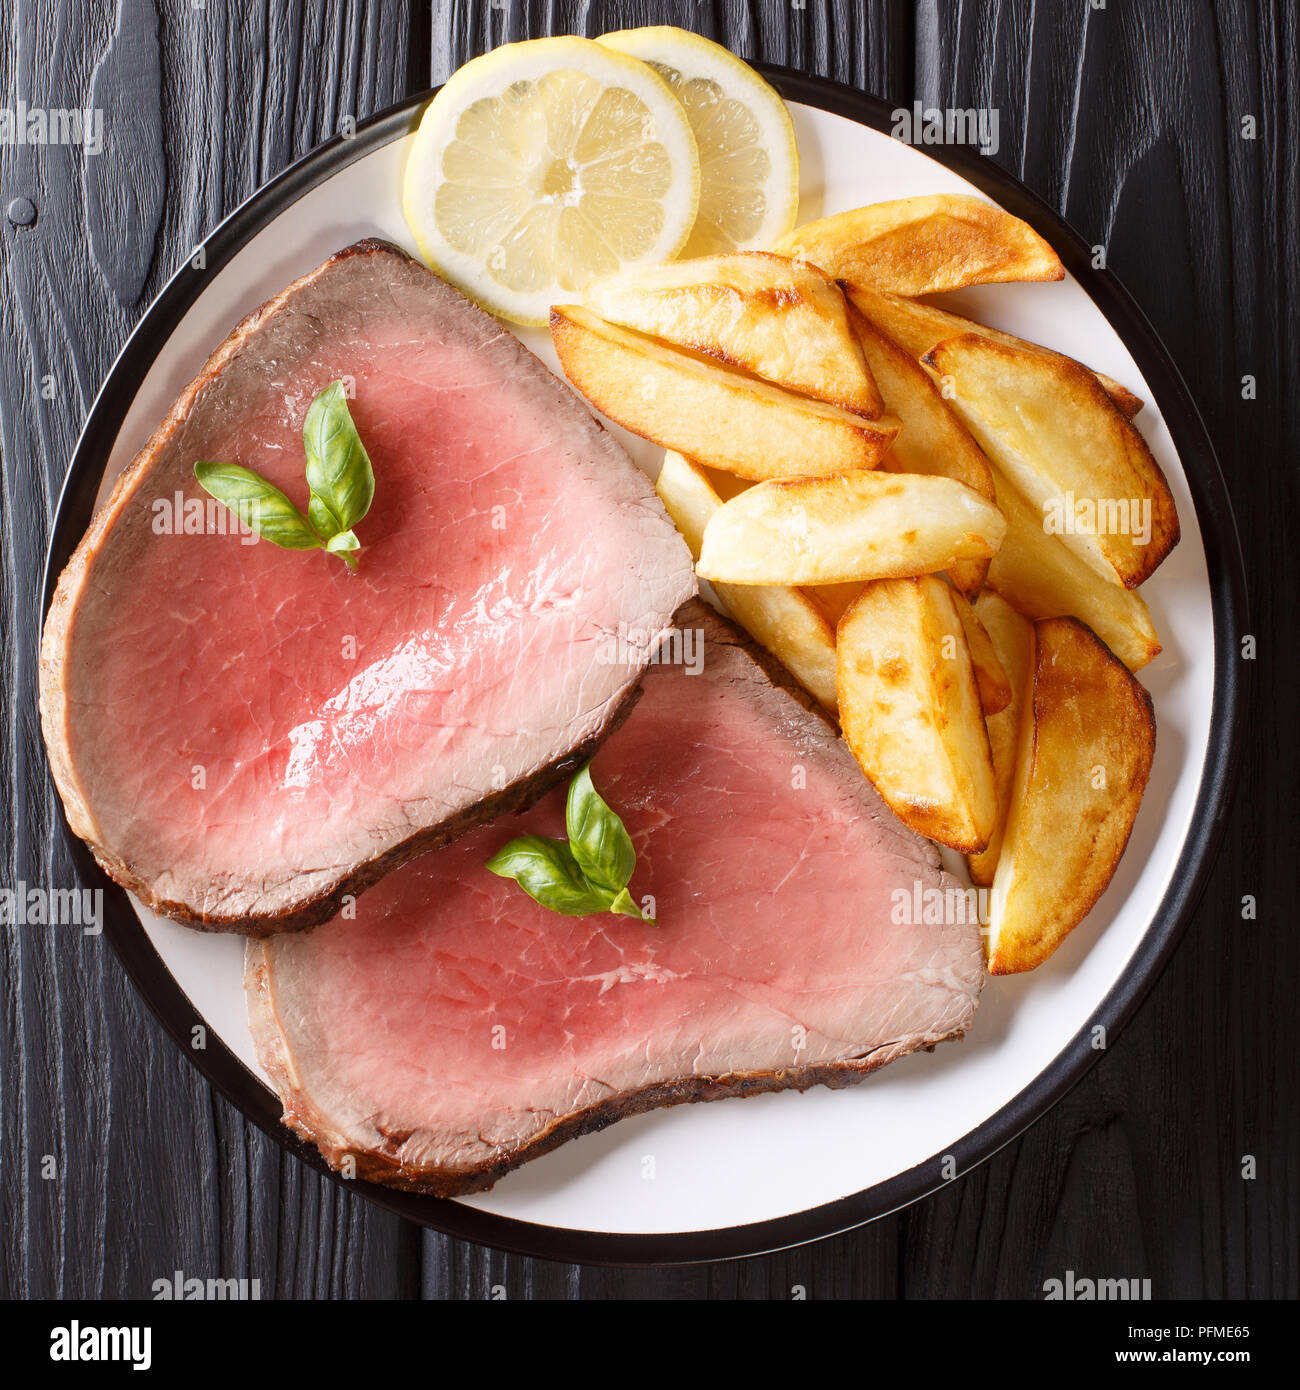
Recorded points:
339,476
258,503
587,873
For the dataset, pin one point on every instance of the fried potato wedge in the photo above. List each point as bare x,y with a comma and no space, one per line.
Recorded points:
1012,637
1061,441
1087,739
917,327
834,600
1040,575
910,710
993,683
785,321
924,245
725,484
715,414
855,526
785,621
932,439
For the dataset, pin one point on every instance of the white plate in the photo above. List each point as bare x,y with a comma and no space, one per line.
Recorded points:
733,1164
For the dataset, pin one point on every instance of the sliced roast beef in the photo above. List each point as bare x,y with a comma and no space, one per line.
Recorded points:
244,734
453,1028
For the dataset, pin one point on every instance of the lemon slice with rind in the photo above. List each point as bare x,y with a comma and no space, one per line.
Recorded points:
749,161
546,163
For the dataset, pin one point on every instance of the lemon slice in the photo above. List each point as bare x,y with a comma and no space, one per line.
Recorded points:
543,164
749,161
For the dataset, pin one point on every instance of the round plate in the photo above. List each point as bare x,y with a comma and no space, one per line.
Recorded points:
735,1179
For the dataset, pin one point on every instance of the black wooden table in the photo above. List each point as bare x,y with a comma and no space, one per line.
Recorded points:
1162,129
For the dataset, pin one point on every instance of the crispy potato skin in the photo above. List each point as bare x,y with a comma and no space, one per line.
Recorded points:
786,621
1087,742
983,706
1012,637
994,684
1042,577
915,246
1059,438
834,600
854,526
917,327
932,440
910,709
783,320
712,413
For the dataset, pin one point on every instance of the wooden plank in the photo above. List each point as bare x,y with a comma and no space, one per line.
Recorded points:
125,181
151,1172
867,46
1127,119
864,43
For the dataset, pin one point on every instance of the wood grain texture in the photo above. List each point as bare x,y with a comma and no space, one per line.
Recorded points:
861,42
125,181
1125,118
1128,120
152,1172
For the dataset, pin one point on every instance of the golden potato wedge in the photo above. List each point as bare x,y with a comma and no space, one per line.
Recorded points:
1061,441
1040,575
855,526
910,709
1087,739
785,321
1013,640
785,621
834,599
993,683
725,484
916,327
688,497
932,439
710,412
924,245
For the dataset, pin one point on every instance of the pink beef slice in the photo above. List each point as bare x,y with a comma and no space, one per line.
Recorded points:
777,960
244,734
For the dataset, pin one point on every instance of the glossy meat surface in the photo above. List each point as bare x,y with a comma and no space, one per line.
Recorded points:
454,1028
244,732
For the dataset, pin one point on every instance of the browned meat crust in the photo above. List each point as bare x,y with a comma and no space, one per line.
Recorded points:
380,1168
303,1117
295,916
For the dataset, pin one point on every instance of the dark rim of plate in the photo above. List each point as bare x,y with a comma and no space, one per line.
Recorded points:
1228,594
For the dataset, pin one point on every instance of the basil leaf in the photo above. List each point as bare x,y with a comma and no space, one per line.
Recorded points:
625,905
339,474
258,503
590,872
320,516
600,844
547,871
344,544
